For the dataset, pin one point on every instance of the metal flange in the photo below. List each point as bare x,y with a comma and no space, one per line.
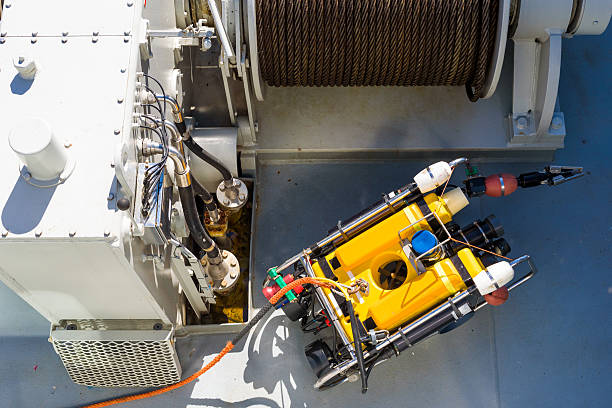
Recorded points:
232,195
225,274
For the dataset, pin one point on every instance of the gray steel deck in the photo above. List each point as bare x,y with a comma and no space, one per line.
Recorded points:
549,346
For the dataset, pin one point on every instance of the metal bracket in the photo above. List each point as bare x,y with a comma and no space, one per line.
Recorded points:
225,73
537,66
198,298
201,30
515,284
144,41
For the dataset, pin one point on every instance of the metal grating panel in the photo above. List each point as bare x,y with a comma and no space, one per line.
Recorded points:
118,358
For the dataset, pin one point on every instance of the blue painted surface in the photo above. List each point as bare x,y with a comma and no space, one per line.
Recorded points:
549,345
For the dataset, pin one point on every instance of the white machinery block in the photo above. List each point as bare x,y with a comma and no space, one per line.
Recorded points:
65,247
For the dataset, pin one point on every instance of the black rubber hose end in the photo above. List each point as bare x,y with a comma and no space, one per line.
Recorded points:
192,219
208,199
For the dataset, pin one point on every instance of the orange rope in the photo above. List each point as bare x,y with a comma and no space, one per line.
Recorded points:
480,249
228,347
447,180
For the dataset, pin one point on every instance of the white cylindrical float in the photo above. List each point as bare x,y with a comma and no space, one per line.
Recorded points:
38,149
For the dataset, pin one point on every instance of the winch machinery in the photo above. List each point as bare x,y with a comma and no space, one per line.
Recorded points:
130,140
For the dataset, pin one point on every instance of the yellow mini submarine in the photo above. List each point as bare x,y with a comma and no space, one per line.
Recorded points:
405,271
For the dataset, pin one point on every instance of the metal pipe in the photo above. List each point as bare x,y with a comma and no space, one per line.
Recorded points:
389,201
350,226
395,337
227,47
178,244
457,162
176,134
325,302
425,318
357,347
181,170
180,165
176,109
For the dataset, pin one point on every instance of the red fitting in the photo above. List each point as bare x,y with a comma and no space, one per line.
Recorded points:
497,297
271,290
494,188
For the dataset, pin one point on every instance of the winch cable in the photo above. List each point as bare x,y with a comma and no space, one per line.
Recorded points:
230,344
377,42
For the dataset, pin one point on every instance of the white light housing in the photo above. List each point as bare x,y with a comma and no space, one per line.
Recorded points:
433,176
455,200
494,277
38,148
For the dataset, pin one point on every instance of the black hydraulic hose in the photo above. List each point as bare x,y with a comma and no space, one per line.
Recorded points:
371,365
208,158
358,350
192,220
167,197
182,128
208,199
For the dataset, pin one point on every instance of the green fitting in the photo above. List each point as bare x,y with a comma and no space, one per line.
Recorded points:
281,283
471,171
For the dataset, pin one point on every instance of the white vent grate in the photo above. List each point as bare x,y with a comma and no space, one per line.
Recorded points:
118,358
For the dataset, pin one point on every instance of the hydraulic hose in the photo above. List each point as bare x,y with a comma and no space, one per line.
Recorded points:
179,121
358,349
208,199
166,196
208,158
198,232
187,197
172,126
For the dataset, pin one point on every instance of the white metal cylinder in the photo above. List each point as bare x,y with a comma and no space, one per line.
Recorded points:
455,200
38,149
433,176
537,17
591,18
495,276
25,66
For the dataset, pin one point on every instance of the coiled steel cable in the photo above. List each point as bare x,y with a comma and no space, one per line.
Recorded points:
377,42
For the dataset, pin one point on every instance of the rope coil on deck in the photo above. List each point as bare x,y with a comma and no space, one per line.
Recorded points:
377,42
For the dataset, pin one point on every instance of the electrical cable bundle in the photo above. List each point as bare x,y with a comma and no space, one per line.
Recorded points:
153,175
377,42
